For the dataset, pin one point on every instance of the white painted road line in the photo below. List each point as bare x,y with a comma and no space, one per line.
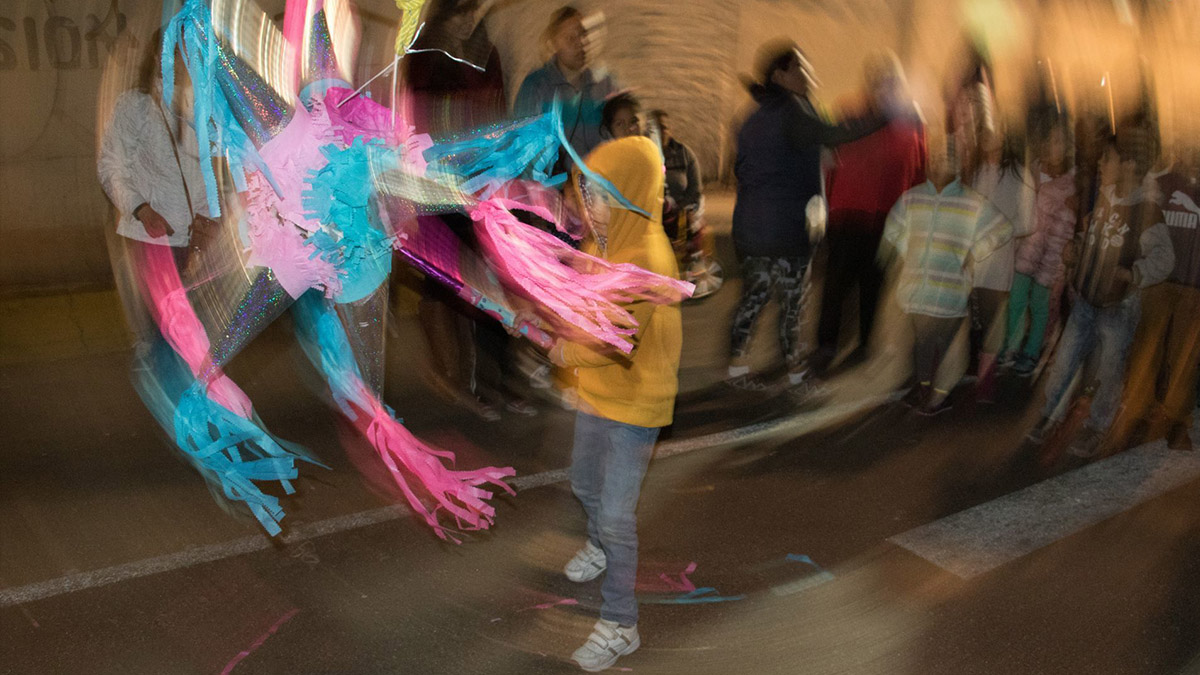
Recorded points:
191,557
203,554
982,538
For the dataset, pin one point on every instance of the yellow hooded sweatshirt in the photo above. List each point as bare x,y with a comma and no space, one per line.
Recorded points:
638,388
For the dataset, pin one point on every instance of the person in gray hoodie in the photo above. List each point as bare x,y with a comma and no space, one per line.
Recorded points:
1125,248
1166,349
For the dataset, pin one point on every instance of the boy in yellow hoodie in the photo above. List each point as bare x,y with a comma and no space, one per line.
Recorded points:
624,400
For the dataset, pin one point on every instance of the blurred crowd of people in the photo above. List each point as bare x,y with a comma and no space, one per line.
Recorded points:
1068,245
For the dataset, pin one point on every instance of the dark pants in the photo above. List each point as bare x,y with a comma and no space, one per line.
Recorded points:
851,263
932,337
1107,331
1164,357
989,318
495,370
763,276
469,349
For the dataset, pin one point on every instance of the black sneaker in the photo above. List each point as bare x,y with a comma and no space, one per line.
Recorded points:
931,410
916,397
1024,365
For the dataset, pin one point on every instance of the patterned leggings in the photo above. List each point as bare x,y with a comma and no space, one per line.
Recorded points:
760,276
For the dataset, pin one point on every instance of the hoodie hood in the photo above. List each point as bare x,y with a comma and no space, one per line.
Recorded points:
637,388
634,165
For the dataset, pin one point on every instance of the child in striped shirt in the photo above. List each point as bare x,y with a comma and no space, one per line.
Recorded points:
935,232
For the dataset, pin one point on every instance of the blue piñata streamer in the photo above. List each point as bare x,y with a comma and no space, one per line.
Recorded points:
236,456
526,149
324,340
593,177
499,155
239,455
217,130
340,197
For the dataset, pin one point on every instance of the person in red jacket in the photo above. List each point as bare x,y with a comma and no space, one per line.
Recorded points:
870,175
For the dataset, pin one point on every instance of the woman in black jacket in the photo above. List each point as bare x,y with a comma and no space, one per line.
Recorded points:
778,170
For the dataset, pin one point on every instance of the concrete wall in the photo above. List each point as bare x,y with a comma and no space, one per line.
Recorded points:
52,211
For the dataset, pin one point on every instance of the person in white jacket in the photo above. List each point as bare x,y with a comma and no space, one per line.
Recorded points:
149,165
149,162
1010,188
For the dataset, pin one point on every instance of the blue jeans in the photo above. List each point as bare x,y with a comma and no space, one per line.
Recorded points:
608,463
1109,329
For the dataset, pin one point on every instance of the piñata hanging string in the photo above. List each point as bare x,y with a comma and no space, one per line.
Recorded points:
407,36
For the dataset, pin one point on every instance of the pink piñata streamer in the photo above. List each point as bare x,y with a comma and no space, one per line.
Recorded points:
556,603
178,323
580,291
259,642
360,116
684,585
295,20
535,198
456,492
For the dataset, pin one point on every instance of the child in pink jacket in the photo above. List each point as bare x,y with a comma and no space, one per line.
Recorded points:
1039,261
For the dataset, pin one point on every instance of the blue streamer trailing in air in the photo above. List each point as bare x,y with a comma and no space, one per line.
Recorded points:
592,176
231,452
217,127
239,455
325,342
526,149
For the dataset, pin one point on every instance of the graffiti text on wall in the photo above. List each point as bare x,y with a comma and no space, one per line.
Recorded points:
57,42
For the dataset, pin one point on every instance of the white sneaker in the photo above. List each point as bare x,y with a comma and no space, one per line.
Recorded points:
587,564
607,643
540,377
